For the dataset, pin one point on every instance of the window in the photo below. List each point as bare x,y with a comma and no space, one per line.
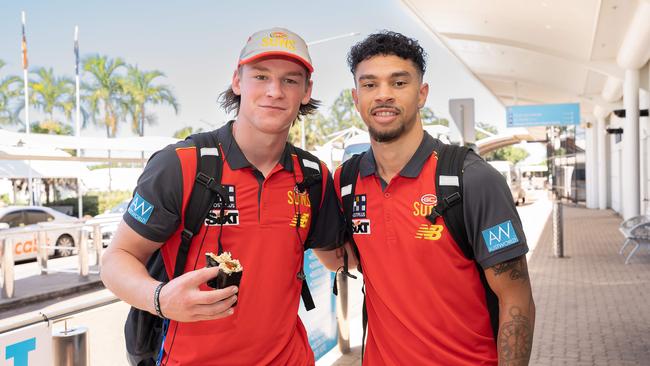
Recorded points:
36,216
13,219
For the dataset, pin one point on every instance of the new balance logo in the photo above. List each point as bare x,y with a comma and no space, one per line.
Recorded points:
304,220
500,236
140,209
230,217
361,226
429,232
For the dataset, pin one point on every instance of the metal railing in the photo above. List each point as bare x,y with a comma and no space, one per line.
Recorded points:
84,231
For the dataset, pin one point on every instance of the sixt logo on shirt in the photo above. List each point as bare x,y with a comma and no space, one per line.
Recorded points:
230,218
500,236
140,209
359,206
361,226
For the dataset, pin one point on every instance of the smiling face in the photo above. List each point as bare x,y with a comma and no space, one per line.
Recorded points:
388,95
271,90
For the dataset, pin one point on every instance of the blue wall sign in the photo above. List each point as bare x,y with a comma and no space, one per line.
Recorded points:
543,115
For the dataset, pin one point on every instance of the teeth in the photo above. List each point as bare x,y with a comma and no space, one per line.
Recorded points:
385,114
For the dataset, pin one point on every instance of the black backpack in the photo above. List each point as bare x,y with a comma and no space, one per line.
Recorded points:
449,184
143,331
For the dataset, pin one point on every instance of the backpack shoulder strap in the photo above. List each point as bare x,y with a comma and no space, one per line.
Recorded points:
449,189
348,182
207,189
312,182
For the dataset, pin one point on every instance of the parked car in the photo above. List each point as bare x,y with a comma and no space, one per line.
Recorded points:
109,220
512,177
25,245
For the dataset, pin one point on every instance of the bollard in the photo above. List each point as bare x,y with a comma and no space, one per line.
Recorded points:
70,347
558,228
97,242
41,252
342,313
7,268
83,254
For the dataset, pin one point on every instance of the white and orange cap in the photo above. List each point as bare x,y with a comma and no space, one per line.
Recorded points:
276,42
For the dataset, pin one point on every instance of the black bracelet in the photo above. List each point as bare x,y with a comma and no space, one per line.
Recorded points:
156,299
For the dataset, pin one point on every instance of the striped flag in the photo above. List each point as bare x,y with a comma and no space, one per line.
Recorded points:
76,50
24,46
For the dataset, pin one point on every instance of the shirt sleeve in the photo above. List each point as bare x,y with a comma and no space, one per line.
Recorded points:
493,225
155,209
328,232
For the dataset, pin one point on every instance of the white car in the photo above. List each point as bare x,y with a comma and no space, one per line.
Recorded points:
25,245
109,220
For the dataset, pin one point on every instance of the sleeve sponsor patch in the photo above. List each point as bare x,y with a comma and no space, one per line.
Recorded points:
140,209
500,236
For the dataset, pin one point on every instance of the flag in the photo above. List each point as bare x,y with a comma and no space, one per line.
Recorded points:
24,47
76,53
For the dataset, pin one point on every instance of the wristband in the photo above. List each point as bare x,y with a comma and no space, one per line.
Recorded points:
156,299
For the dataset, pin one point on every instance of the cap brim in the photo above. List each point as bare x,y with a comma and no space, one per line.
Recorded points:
278,53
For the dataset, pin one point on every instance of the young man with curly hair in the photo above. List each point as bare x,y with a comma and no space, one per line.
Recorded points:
428,303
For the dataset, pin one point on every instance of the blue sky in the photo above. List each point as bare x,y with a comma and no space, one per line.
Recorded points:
196,44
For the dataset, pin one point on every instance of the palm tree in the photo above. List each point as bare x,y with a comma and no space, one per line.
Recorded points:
103,91
50,93
9,89
139,91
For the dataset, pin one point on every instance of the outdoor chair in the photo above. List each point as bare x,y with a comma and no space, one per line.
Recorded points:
640,236
626,227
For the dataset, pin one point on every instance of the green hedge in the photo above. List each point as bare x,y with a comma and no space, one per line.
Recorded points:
94,202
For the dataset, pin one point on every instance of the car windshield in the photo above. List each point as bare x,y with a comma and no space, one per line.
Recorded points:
121,208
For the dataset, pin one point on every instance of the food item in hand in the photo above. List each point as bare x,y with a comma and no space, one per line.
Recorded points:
230,270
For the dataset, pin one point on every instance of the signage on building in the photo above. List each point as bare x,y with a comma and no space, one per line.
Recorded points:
543,115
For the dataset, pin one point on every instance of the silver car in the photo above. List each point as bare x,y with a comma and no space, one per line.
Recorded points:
25,245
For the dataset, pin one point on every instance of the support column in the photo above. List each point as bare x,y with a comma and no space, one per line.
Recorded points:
603,162
630,173
591,156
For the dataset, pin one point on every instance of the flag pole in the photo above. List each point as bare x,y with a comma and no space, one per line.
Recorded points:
30,190
78,116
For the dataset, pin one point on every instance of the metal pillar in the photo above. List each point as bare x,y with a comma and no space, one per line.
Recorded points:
558,229
603,163
630,179
342,313
70,347
7,268
591,163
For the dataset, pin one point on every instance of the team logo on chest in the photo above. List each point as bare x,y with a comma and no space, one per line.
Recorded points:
230,213
422,208
360,224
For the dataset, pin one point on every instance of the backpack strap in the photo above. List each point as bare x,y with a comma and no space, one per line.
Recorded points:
312,182
449,183
206,191
449,186
348,182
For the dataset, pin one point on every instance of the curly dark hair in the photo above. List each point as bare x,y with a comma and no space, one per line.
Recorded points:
388,43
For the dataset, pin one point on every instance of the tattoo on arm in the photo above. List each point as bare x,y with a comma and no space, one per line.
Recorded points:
515,339
516,269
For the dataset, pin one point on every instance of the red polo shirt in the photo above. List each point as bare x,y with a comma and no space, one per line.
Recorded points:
425,300
265,328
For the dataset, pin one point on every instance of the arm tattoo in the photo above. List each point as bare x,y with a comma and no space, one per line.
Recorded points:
515,267
515,339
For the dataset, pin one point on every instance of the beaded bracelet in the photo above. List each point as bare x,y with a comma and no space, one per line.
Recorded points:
156,299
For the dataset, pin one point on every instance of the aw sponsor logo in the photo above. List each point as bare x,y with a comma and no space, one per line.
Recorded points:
425,205
361,226
304,220
500,236
429,232
140,209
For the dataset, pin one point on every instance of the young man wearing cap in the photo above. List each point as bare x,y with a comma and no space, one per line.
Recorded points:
427,302
270,88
